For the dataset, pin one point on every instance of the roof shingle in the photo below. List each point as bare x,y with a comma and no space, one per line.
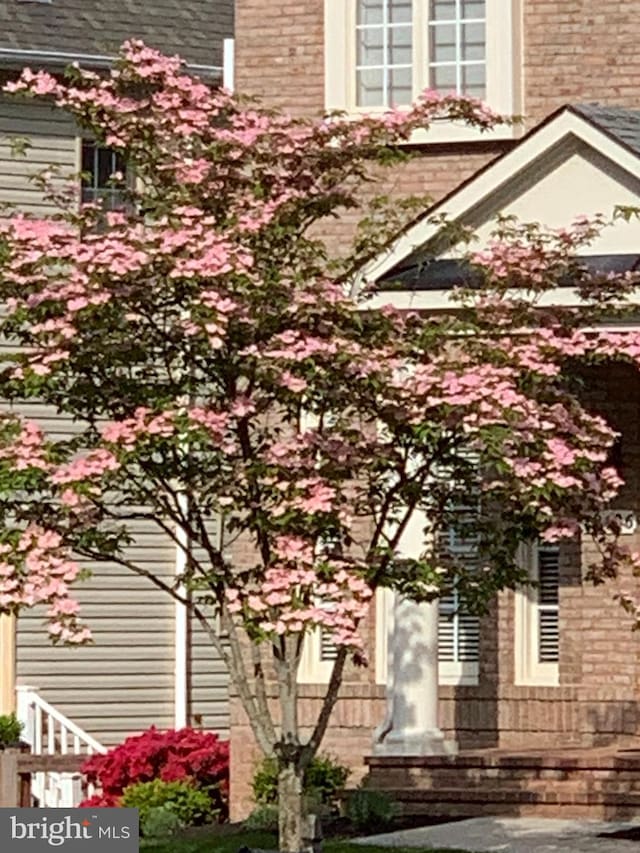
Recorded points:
619,122
192,28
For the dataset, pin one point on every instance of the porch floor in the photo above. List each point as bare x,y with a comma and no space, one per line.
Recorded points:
599,782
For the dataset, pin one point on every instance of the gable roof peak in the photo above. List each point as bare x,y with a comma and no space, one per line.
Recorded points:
620,123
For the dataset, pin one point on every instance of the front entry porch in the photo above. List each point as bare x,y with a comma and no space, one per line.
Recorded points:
601,783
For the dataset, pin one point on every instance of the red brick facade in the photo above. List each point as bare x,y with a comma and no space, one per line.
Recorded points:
573,50
566,783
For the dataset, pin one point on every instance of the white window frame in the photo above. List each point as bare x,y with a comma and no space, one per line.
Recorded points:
312,669
503,67
529,671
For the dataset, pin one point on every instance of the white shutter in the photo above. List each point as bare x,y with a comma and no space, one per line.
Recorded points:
458,632
327,648
447,629
547,603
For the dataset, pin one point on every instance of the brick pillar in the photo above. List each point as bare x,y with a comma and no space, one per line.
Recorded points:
9,781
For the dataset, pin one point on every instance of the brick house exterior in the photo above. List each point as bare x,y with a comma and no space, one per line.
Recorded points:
570,51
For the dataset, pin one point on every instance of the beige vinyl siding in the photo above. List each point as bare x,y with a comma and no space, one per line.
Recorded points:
209,682
207,674
52,137
125,681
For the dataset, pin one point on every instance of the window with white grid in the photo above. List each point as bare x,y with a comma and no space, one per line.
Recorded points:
455,49
383,53
458,47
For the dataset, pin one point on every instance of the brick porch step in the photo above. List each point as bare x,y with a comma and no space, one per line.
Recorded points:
570,783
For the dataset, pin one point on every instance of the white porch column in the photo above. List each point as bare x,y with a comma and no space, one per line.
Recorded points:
411,723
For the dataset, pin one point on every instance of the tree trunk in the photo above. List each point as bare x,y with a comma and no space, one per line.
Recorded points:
290,809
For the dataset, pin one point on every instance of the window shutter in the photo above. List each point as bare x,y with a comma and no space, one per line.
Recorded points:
548,583
468,637
458,632
328,649
447,629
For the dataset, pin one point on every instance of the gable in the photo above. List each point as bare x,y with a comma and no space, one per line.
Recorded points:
566,168
573,181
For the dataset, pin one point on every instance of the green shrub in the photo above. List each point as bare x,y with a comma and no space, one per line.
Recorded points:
160,822
326,778
323,781
190,805
371,810
263,818
10,730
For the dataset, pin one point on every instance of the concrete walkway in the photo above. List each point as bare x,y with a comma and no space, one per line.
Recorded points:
513,835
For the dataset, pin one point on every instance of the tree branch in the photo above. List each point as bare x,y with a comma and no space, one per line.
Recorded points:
329,703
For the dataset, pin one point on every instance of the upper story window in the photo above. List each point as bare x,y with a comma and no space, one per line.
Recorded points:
451,37
99,166
457,47
383,53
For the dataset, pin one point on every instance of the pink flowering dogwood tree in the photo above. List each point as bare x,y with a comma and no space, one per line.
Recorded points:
207,346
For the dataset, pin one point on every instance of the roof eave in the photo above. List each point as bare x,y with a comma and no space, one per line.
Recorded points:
17,58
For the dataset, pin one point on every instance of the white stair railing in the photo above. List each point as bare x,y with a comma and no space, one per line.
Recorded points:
49,732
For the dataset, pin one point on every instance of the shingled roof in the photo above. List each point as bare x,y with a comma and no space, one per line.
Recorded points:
621,123
80,28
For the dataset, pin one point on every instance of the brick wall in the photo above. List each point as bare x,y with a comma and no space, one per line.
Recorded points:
601,784
280,53
580,50
574,50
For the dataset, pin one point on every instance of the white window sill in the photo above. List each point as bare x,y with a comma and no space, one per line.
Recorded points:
448,132
543,675
458,674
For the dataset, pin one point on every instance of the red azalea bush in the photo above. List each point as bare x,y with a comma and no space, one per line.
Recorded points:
178,754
